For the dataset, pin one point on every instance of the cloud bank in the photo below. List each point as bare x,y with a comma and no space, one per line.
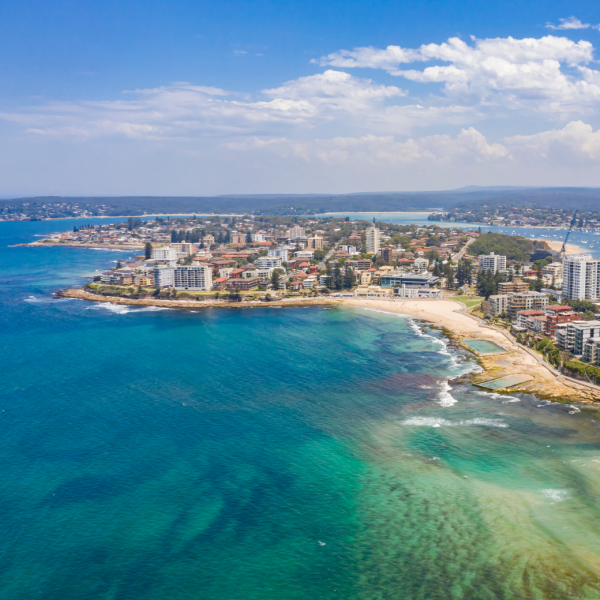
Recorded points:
450,112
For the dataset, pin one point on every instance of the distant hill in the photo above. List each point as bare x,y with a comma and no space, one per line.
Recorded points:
304,204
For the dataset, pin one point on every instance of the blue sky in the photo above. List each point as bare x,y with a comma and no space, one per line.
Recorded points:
197,98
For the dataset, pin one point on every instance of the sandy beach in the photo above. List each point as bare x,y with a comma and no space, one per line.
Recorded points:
570,249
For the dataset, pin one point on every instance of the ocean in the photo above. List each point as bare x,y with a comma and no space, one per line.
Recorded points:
271,454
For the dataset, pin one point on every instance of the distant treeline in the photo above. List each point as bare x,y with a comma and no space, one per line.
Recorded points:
566,198
513,247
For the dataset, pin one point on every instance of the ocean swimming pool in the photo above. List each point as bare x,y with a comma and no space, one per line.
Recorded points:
484,347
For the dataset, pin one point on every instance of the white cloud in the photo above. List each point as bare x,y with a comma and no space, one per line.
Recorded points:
530,74
182,110
568,23
469,146
576,143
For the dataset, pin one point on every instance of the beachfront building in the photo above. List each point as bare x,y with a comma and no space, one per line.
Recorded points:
591,350
492,262
415,292
163,276
197,278
166,254
581,277
558,315
242,284
498,304
526,301
398,279
373,236
577,333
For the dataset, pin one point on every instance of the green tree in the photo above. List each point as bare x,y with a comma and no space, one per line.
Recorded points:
349,278
148,250
275,279
338,281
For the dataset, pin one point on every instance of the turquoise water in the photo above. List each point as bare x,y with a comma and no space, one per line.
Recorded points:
271,454
484,346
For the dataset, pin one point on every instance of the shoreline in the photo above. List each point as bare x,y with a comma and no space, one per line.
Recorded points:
42,244
556,246
451,315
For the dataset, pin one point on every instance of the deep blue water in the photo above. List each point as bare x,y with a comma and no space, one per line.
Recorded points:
270,454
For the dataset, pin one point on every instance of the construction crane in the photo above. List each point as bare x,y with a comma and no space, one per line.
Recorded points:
564,246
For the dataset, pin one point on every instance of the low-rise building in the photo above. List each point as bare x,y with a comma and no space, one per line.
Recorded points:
242,284
591,350
398,279
414,292
524,318
557,315
420,264
512,287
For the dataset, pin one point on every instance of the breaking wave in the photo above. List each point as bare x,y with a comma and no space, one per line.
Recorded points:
121,309
439,422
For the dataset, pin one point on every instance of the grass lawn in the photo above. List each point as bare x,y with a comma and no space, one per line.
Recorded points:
468,300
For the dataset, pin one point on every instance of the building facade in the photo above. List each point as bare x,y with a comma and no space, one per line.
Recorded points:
163,276
498,304
581,277
164,254
316,243
373,242
197,278
492,262
512,287
526,301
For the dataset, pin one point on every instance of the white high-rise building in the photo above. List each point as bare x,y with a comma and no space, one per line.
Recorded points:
163,277
269,262
581,277
296,232
198,278
373,240
492,262
280,252
167,253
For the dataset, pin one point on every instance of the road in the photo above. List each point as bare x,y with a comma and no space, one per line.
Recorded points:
462,251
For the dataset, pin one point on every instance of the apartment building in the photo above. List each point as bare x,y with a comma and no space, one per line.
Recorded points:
282,253
492,262
269,262
316,243
591,350
512,287
558,315
167,254
420,264
296,232
238,238
577,333
553,271
498,304
163,276
242,284
183,248
581,277
526,301
196,278
373,236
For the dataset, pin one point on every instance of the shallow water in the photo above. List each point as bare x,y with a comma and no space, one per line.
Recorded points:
272,454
